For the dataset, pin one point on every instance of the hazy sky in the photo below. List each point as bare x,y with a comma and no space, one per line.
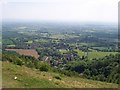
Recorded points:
61,10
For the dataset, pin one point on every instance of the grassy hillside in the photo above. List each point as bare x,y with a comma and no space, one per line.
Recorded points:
27,77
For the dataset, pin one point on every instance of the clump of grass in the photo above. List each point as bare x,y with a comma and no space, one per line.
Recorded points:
57,83
43,74
58,77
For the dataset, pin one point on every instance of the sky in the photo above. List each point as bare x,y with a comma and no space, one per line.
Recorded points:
60,10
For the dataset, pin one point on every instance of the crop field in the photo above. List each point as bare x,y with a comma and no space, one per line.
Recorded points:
26,52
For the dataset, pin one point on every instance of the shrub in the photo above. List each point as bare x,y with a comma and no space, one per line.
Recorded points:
30,64
44,67
17,61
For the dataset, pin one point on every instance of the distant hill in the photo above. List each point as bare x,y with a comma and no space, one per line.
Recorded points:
15,76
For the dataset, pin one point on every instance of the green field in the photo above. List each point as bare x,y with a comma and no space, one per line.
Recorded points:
57,36
11,45
63,51
94,54
80,52
29,42
61,36
55,41
32,78
41,40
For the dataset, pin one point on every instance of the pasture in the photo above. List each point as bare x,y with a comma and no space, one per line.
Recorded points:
94,54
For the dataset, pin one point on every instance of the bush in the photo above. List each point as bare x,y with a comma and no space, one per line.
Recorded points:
18,61
44,67
30,64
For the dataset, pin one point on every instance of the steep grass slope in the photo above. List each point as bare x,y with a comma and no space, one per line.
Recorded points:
32,78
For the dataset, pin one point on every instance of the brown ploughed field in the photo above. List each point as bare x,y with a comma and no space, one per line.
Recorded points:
26,52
